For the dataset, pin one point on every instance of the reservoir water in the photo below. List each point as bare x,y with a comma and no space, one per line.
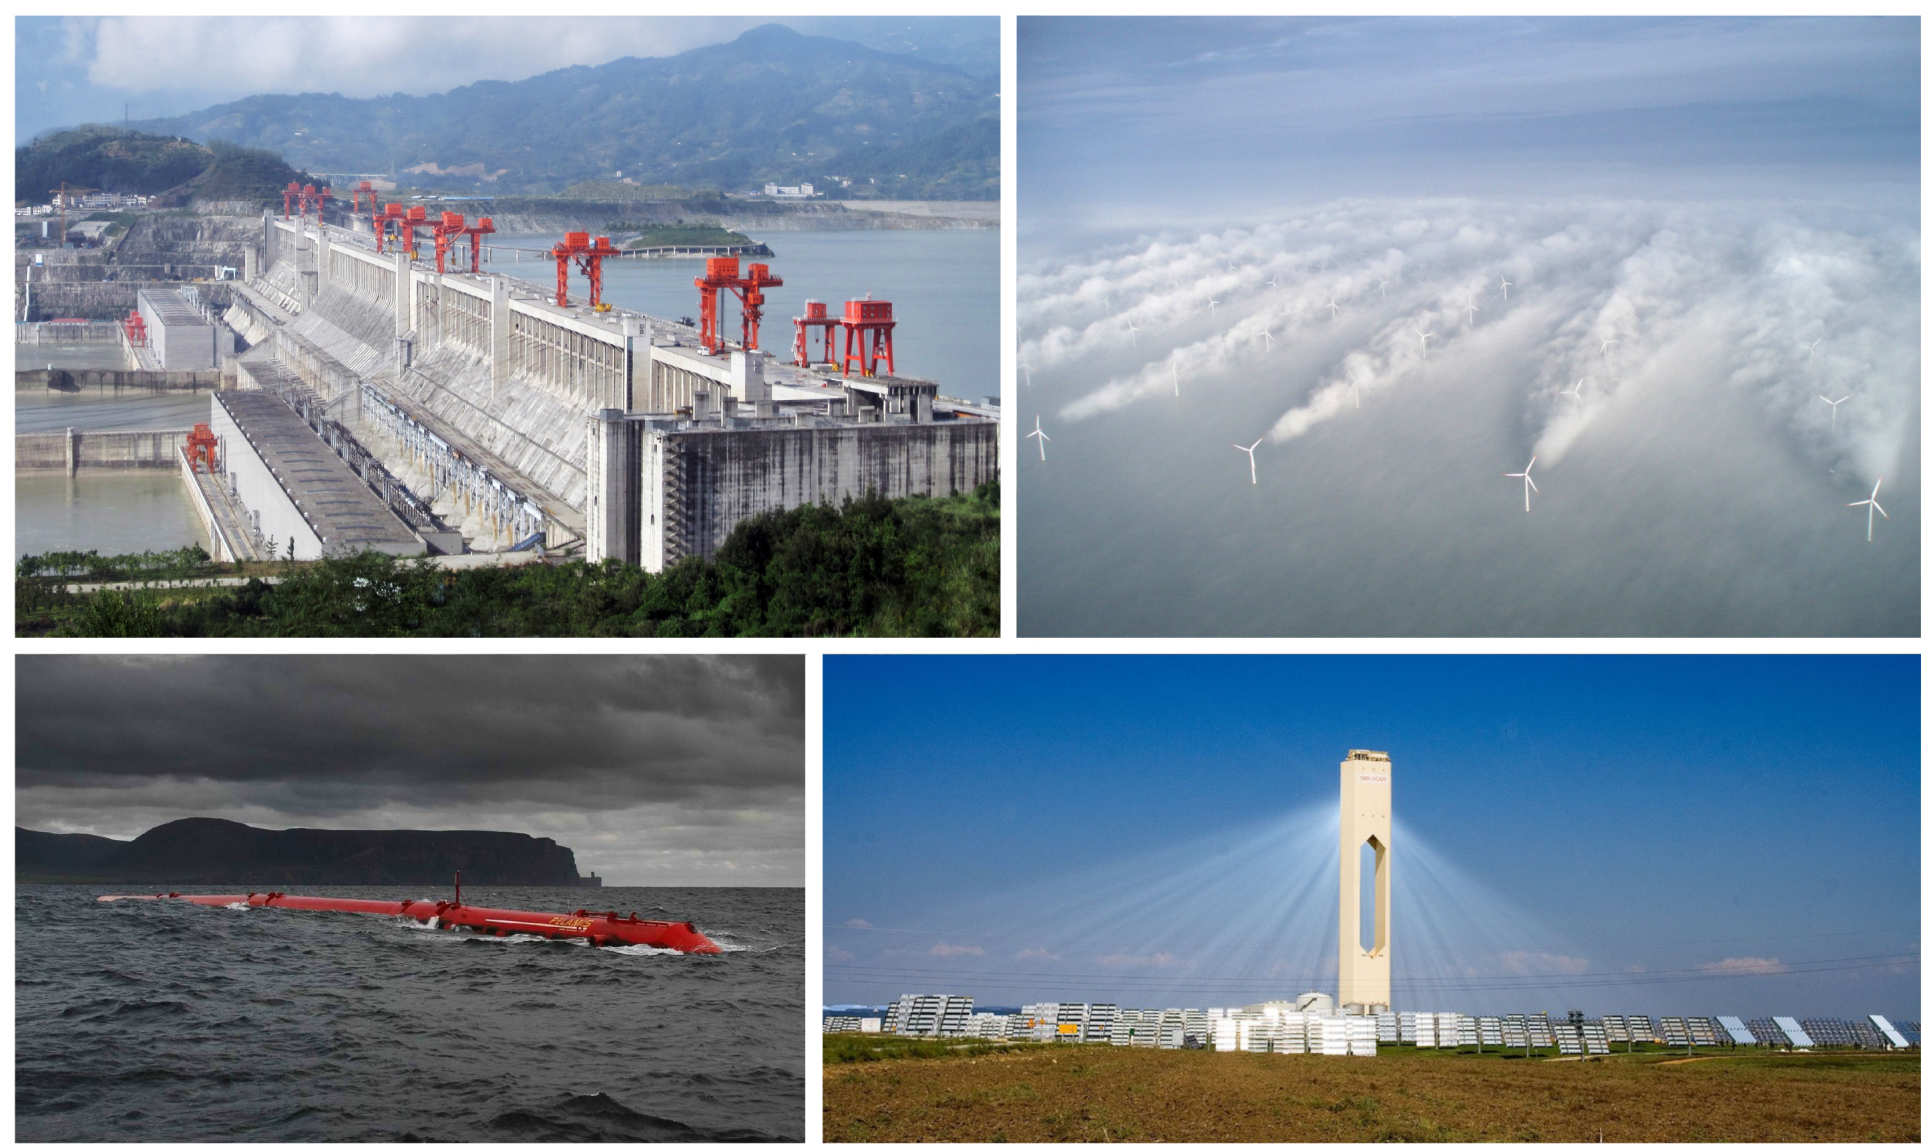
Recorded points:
944,287
52,411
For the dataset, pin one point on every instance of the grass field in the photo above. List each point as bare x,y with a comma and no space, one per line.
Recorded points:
959,1092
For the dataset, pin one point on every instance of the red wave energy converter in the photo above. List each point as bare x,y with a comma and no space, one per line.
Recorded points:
599,929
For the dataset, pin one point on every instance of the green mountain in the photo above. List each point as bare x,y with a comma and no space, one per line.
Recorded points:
132,162
771,106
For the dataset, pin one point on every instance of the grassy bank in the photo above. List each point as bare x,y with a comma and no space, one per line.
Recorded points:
1096,1093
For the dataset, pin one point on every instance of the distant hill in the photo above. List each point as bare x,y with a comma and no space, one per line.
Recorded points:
138,163
771,106
210,851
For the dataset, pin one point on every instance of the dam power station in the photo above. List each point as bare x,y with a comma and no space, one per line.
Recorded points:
376,399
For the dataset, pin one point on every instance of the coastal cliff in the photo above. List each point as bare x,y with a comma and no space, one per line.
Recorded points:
211,851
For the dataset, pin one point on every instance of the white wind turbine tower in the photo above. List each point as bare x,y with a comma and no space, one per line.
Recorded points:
1471,308
1812,348
1607,344
1870,503
1529,483
1028,368
1834,407
1268,337
1384,284
1334,309
1212,303
1249,450
1425,336
1174,368
1040,434
1506,285
1133,332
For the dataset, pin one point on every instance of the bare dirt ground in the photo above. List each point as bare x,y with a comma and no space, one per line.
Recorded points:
1109,1094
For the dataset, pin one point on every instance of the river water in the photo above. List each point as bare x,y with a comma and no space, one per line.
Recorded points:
170,1022
113,511
944,287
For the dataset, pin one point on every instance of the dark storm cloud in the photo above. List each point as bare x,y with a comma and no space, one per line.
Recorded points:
639,756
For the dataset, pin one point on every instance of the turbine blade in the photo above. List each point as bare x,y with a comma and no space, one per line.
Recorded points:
1532,482
1881,511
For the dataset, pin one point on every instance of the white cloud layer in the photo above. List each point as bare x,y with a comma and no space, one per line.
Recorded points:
1722,327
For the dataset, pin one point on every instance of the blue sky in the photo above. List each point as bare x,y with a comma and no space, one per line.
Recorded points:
1645,827
1122,118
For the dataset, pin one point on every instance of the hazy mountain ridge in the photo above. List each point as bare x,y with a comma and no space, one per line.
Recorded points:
772,105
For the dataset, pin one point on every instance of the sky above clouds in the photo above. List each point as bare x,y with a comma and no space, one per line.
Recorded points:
1709,230
1128,121
656,771
1670,835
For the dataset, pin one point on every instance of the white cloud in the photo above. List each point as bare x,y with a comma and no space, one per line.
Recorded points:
1745,965
953,951
1036,953
857,924
363,55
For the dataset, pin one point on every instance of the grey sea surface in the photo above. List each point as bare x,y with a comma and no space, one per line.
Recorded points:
163,1021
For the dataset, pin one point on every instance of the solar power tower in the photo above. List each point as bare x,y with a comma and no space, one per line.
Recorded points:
1364,969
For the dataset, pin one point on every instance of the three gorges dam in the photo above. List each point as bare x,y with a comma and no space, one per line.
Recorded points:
374,395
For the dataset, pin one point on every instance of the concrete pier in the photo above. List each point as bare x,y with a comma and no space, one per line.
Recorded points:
97,449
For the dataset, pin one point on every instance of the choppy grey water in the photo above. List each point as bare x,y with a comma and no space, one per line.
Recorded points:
154,1021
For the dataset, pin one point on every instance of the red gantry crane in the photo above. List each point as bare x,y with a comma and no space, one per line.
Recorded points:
201,447
722,274
355,197
863,316
814,316
136,328
590,257
405,220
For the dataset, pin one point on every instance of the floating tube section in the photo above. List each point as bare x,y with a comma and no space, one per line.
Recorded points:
599,929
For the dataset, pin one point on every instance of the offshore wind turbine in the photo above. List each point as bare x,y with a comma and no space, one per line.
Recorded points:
1812,348
1212,303
1471,308
1334,309
1274,280
1249,450
1384,284
1269,337
1506,285
1575,391
1028,368
1870,503
1040,434
1607,344
1133,332
1834,407
1174,368
1529,483
1425,336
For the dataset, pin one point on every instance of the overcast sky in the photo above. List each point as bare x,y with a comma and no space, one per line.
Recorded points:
655,770
83,69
